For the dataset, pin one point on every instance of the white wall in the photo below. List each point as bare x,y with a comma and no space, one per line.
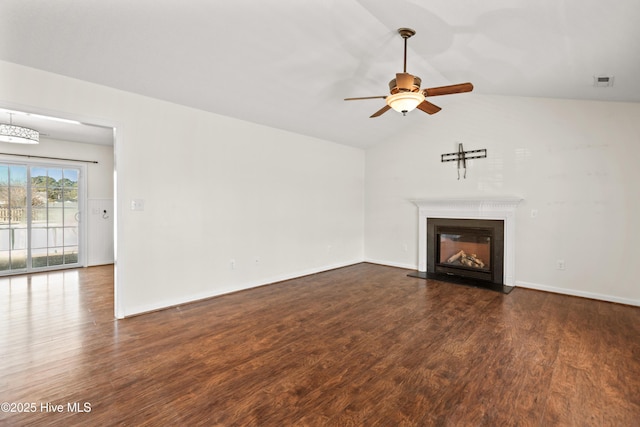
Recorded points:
99,248
100,231
575,162
215,189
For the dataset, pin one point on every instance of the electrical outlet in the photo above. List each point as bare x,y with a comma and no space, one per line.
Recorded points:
534,213
560,264
232,264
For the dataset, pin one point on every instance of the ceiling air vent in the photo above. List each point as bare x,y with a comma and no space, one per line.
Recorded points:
602,81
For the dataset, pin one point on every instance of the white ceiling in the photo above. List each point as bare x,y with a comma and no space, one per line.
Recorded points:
288,64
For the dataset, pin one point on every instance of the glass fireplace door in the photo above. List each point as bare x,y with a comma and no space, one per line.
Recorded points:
469,250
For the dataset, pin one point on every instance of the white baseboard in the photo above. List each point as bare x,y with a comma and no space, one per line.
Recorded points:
161,305
103,261
577,293
392,264
536,286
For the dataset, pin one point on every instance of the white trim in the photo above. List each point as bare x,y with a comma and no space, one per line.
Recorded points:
168,303
498,208
576,293
391,263
84,216
538,287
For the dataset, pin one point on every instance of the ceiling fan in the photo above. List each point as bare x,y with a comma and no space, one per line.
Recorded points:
405,89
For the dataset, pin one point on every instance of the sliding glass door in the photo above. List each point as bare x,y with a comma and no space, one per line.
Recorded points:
13,217
39,217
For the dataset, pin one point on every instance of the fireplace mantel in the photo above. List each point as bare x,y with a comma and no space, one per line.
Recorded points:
500,208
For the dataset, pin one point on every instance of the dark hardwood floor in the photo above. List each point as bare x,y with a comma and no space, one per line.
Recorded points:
359,346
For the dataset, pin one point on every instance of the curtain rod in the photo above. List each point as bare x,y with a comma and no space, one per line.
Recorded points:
50,158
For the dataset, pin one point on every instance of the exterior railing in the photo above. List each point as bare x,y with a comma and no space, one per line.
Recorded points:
16,214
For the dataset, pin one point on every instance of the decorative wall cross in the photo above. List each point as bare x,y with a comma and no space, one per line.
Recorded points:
462,156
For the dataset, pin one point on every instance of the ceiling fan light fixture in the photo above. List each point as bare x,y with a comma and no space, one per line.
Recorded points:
405,89
403,102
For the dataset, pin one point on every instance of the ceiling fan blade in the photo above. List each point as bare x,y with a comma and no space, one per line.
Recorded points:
366,97
404,81
447,90
428,107
380,111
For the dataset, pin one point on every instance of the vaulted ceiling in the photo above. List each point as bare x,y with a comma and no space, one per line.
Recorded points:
288,64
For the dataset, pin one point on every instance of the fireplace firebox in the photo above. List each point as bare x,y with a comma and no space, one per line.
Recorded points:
471,248
468,251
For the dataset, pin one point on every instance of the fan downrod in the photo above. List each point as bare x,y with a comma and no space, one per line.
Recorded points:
405,33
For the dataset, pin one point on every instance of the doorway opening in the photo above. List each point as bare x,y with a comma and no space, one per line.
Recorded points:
68,141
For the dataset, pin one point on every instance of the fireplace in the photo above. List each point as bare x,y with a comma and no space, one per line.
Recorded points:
472,248
482,229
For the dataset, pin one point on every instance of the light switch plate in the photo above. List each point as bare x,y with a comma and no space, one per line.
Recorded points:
137,205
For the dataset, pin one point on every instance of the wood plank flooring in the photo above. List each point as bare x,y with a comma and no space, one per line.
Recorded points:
359,346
